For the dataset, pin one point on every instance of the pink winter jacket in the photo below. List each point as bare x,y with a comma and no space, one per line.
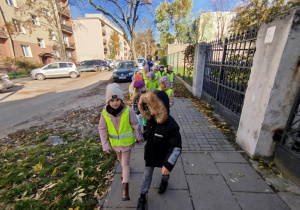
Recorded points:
116,121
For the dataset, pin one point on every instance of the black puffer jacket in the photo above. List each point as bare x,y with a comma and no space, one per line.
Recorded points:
163,145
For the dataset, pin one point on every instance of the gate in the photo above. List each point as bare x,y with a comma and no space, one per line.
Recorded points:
287,154
226,73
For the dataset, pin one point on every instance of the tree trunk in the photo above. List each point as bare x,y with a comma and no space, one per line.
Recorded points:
133,51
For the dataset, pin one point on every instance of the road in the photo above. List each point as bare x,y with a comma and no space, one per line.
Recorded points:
31,100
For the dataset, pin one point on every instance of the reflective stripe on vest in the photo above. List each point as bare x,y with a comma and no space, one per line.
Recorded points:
125,137
171,76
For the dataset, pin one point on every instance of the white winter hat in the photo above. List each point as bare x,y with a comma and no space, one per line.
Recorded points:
113,91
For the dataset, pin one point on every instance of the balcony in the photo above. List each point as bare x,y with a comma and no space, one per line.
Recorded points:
103,31
105,50
65,12
104,41
3,34
102,24
66,29
70,46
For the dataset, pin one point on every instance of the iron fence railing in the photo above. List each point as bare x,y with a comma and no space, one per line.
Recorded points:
227,69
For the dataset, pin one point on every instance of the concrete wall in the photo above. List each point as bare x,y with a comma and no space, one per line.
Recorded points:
273,85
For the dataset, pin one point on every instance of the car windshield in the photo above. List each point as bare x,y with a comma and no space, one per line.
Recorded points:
125,65
140,60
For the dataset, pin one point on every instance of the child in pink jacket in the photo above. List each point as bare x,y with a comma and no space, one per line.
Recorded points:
118,128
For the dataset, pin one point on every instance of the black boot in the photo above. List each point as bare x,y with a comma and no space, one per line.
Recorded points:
163,187
141,203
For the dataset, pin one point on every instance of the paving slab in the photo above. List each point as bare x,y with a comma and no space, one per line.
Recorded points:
198,163
260,201
137,163
211,192
114,197
228,157
177,178
243,178
170,200
292,199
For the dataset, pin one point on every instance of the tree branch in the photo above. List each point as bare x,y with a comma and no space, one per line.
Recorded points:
135,17
113,18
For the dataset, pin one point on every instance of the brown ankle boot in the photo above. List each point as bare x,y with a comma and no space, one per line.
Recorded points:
125,192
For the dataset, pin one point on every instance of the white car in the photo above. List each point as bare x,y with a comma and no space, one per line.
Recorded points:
56,69
141,62
5,82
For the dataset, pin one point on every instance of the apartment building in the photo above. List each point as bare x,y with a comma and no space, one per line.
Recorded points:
214,25
39,30
92,34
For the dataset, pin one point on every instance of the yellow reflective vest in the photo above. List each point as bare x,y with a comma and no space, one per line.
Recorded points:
171,76
168,92
161,74
145,78
125,136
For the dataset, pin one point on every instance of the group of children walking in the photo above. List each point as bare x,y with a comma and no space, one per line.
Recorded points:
147,120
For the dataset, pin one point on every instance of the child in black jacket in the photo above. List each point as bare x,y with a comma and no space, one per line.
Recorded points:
163,145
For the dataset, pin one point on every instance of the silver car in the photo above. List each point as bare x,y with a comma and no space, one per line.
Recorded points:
56,69
141,62
5,82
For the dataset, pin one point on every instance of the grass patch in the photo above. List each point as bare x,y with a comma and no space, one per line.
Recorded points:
36,175
181,91
187,77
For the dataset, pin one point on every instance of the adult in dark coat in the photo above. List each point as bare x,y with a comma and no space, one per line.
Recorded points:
150,62
163,145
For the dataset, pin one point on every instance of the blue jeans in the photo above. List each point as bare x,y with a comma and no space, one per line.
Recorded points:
147,179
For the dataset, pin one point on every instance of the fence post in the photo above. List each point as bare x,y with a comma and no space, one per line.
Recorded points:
199,65
183,68
177,61
221,67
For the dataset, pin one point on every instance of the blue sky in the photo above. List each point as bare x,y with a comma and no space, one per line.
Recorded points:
82,7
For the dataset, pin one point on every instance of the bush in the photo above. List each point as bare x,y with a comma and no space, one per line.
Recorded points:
163,60
21,64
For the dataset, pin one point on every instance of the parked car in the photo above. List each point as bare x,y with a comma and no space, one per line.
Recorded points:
5,82
110,64
124,71
56,69
92,65
141,62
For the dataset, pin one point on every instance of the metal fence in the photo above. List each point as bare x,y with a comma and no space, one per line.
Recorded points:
227,70
287,155
177,61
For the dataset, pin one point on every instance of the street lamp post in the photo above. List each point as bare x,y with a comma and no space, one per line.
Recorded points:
145,49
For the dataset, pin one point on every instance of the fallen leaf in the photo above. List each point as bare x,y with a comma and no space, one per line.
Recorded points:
37,167
54,172
232,180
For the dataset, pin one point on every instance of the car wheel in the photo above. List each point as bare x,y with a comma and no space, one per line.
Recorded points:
73,75
40,77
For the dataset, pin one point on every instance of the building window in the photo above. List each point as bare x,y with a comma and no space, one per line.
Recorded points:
41,43
11,3
52,35
66,40
26,50
46,13
35,20
68,54
18,26
56,54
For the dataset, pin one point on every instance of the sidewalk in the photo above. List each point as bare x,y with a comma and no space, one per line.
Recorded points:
210,173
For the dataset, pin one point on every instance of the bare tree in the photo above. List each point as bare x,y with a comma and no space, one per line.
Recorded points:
222,7
125,16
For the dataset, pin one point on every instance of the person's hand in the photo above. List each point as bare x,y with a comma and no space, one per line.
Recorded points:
142,140
107,151
165,171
